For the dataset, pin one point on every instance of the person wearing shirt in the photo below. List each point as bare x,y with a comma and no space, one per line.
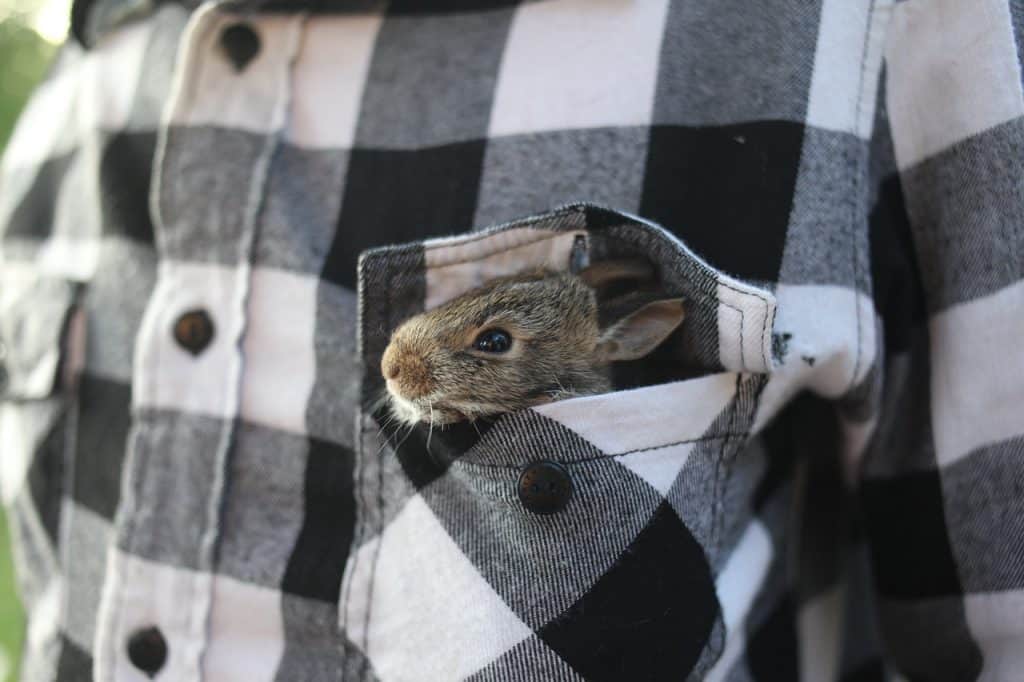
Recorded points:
212,216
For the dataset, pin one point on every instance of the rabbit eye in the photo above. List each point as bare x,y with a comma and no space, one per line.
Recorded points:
493,341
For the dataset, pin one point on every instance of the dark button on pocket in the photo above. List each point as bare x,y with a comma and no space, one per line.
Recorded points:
545,487
147,650
193,331
240,43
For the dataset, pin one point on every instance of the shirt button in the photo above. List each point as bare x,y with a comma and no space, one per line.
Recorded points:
240,43
544,487
193,331
147,650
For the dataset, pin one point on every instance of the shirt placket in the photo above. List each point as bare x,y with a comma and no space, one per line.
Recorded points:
232,78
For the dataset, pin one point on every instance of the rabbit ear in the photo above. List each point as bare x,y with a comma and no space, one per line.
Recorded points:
640,332
601,274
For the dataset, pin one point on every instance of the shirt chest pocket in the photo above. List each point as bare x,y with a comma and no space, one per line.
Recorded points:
41,339
36,318
572,540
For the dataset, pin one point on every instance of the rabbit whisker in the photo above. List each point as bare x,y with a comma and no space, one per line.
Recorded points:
430,430
389,419
383,444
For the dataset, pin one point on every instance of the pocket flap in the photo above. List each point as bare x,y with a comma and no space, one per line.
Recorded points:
728,324
35,318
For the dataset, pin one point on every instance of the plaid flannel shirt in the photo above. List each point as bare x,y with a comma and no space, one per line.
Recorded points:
821,478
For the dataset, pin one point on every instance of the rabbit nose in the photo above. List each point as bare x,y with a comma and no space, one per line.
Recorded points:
407,374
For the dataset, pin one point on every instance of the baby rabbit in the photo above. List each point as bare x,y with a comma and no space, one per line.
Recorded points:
516,342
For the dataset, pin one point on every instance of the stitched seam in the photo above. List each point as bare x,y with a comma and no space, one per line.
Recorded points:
764,326
767,329
753,292
742,338
346,587
767,308
373,570
241,294
389,305
721,467
755,402
602,456
853,205
729,460
359,532
161,243
743,324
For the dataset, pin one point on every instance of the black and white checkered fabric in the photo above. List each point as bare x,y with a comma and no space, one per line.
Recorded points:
828,485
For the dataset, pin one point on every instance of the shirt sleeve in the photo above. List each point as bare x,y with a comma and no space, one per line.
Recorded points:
942,487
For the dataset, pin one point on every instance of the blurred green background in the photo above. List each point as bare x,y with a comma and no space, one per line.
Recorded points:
30,31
